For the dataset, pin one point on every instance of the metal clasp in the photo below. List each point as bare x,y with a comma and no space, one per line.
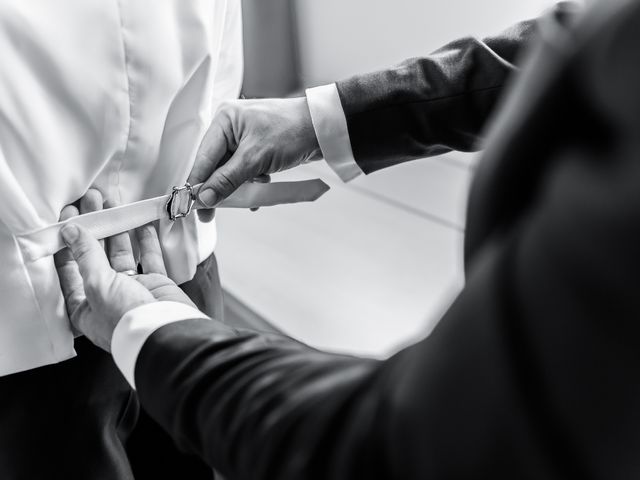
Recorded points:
181,197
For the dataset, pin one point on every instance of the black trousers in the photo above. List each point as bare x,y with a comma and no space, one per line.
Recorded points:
80,419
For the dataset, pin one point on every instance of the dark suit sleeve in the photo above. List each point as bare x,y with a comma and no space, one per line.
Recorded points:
267,407
432,105
532,373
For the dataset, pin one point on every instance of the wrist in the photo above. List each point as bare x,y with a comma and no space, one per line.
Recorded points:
139,324
132,306
331,130
312,145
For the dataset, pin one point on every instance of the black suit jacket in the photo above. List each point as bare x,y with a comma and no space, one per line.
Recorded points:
534,372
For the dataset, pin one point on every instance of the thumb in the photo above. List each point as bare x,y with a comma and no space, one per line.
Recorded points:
88,254
213,150
226,179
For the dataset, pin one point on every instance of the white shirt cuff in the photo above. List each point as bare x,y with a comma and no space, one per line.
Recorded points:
330,125
138,324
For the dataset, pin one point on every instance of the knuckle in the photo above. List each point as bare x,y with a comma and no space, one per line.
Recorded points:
225,181
147,232
226,111
120,254
221,129
82,251
120,247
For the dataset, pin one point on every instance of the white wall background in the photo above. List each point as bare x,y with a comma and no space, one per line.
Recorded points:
371,266
338,38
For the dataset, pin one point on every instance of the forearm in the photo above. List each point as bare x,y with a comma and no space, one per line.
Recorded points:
260,406
431,105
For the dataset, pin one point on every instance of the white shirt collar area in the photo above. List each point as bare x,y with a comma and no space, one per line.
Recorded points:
137,325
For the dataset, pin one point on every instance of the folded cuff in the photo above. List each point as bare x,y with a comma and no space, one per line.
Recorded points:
139,324
330,124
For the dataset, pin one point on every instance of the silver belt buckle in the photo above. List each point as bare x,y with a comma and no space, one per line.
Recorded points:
181,196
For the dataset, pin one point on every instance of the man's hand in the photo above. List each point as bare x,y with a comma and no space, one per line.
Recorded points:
96,293
250,138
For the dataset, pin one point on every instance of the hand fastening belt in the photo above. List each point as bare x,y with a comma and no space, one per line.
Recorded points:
178,204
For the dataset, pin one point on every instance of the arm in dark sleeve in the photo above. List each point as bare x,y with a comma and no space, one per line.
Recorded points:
432,105
513,383
532,373
264,407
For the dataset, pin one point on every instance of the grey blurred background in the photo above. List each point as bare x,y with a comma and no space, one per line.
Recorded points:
290,44
372,265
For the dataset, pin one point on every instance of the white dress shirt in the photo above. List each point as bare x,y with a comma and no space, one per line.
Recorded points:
111,94
138,325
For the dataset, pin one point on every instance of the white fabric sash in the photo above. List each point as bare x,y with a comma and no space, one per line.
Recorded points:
106,223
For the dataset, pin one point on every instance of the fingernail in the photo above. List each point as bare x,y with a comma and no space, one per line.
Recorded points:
70,234
208,197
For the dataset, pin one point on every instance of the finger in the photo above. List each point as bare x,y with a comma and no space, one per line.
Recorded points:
89,255
68,212
150,252
64,256
260,179
214,149
119,249
206,215
226,179
92,202
70,279
264,178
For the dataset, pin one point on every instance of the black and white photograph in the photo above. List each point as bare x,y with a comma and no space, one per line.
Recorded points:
319,239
